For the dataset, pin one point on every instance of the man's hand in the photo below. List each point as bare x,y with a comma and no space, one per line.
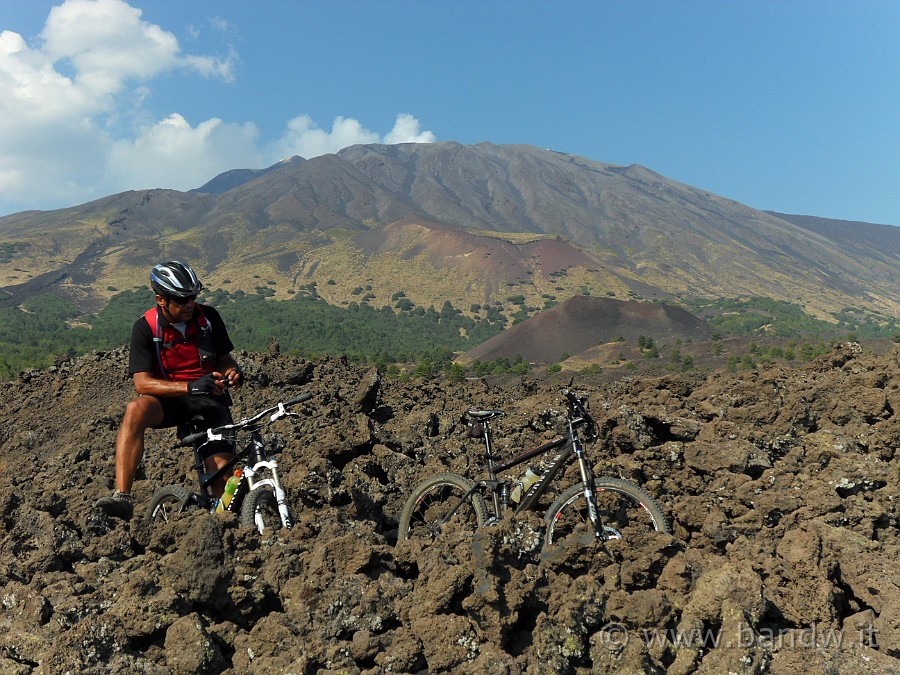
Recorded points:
233,377
211,383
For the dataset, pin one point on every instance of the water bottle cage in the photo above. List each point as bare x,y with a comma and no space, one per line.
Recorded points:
523,485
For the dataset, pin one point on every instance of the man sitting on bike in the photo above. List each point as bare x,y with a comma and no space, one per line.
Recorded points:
181,363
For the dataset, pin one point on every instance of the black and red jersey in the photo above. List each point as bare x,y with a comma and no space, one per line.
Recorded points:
158,347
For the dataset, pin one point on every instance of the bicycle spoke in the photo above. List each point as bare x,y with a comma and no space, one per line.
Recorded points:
433,508
625,512
433,500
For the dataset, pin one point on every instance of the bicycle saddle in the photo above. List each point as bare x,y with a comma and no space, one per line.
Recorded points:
198,423
482,415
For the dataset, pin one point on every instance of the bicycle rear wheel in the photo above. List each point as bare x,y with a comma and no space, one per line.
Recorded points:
167,502
260,510
624,509
431,501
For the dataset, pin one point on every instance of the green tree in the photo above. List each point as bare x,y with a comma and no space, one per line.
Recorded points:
732,363
456,373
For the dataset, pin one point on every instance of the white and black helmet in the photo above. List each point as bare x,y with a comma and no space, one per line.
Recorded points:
174,279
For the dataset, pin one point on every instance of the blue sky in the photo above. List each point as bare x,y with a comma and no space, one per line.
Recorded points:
788,106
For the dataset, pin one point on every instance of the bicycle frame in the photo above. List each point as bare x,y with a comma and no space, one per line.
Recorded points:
570,444
254,451
607,506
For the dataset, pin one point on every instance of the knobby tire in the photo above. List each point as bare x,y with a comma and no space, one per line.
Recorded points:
624,508
260,511
432,499
167,502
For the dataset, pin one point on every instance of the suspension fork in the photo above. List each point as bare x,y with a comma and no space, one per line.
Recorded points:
281,498
258,460
587,481
496,500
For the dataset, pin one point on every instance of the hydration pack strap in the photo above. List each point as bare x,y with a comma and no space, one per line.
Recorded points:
152,316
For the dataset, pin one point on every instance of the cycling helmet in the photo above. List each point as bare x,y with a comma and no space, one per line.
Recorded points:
174,279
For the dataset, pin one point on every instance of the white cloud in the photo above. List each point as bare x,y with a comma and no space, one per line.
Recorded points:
406,130
65,102
60,94
211,67
173,154
107,43
303,137
34,93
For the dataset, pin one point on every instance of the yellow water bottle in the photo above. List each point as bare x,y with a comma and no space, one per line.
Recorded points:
230,488
522,486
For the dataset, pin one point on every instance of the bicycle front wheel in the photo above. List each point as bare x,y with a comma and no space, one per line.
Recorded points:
260,510
623,507
430,502
167,502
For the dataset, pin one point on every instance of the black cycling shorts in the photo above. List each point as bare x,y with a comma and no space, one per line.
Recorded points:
181,411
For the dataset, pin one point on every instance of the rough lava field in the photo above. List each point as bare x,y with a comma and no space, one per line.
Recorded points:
781,485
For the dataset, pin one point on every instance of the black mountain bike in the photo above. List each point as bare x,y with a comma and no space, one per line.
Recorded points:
259,499
610,508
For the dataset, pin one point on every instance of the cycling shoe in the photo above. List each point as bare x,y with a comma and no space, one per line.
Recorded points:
117,506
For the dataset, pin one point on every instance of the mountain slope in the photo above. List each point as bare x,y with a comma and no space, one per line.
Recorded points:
869,240
472,224
236,177
583,322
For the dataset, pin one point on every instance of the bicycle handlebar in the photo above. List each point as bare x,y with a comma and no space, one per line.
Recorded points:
190,439
298,399
577,405
215,434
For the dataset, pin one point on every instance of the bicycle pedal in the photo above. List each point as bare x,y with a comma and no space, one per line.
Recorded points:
490,522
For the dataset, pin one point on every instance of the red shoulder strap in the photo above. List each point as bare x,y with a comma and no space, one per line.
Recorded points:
151,316
201,317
